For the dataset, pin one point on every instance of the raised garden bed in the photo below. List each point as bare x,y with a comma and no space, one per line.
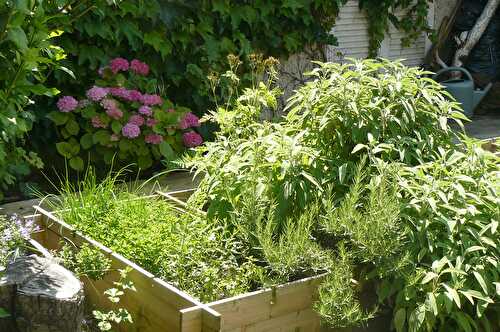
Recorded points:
159,306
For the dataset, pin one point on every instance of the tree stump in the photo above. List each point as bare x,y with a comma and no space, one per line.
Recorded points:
41,296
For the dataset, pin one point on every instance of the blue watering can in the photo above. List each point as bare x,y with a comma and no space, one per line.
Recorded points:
463,89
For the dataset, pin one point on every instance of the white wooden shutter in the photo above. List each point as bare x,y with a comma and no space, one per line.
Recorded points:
351,30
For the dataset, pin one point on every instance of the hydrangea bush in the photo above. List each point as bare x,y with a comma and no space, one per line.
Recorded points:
123,117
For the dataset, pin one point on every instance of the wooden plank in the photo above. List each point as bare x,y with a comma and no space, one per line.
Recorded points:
155,306
272,305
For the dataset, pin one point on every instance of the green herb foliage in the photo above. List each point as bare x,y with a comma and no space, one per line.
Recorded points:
452,209
85,261
362,176
200,257
379,108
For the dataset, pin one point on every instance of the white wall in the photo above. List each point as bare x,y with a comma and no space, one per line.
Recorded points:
353,39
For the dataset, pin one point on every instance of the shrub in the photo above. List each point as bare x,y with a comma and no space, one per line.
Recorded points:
184,40
28,55
382,107
451,207
377,108
122,115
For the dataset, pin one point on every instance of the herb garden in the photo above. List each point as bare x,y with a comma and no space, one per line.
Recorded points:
353,204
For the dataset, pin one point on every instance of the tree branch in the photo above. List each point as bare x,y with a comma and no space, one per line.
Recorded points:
476,32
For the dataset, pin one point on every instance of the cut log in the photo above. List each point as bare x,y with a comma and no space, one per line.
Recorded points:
476,33
42,296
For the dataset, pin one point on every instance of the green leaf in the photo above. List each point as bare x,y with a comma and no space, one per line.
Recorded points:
65,149
417,318
86,141
166,150
428,277
432,303
4,313
116,127
76,163
72,127
125,145
399,320
59,118
481,281
342,173
144,162
358,147
88,112
102,137
452,293
461,319
18,37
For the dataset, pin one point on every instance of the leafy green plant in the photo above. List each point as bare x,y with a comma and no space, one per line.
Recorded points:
84,262
377,108
451,207
106,320
383,107
122,115
292,253
184,40
381,13
27,54
202,258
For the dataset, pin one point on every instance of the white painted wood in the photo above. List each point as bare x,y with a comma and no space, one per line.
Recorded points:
351,30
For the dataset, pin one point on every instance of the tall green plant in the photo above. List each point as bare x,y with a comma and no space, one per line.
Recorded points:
28,55
452,209
377,108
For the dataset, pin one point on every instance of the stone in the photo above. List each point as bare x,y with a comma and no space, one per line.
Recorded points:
42,296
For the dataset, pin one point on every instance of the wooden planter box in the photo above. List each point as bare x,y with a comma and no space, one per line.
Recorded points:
158,306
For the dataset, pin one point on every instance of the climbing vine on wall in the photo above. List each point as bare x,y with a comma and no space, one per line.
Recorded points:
380,14
186,39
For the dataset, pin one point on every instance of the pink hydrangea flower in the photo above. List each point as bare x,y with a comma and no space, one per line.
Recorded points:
97,123
109,104
134,95
139,67
119,92
131,130
96,93
83,103
150,122
118,64
67,104
136,119
114,137
153,139
145,110
192,139
188,121
114,113
149,100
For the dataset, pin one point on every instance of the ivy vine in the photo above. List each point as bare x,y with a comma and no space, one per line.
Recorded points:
381,12
186,39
